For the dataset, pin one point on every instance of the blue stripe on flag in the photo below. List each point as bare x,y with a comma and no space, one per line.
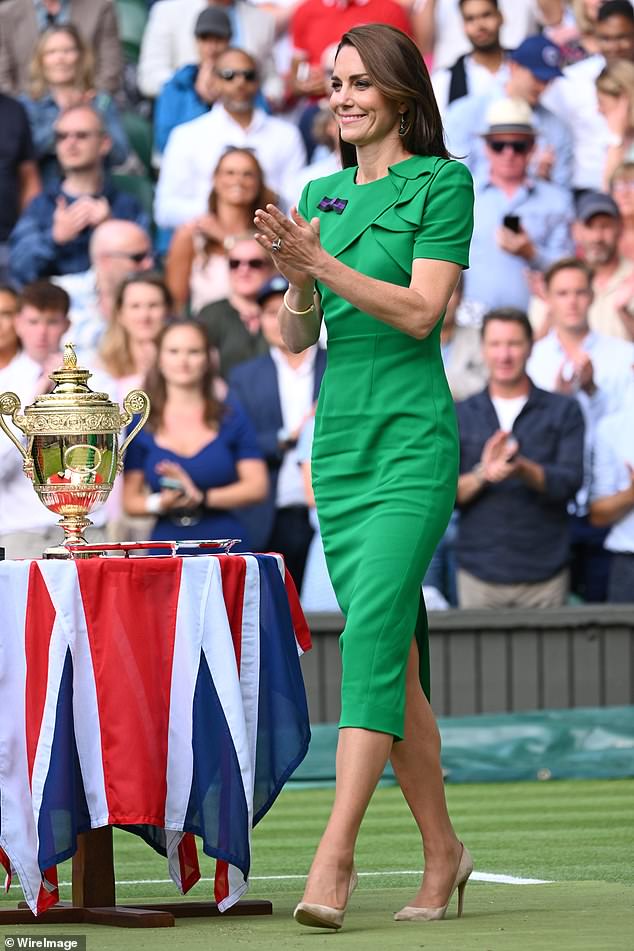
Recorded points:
64,811
283,724
217,809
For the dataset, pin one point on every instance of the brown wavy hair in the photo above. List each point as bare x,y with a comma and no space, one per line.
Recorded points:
395,66
85,76
114,350
264,196
155,387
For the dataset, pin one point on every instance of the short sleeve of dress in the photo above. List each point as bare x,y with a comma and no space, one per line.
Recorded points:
240,432
447,224
302,205
137,451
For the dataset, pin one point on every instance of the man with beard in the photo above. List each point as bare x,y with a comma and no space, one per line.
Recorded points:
474,73
597,231
532,67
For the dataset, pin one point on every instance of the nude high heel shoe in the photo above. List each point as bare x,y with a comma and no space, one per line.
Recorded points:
412,913
324,916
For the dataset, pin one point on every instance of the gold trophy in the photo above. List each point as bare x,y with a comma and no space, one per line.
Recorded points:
72,451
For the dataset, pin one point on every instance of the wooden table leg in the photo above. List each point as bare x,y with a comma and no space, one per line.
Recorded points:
93,870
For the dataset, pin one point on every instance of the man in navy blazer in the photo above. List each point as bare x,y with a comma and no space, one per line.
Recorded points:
279,391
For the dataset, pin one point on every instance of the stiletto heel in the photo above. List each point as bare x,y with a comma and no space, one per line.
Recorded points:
324,916
413,913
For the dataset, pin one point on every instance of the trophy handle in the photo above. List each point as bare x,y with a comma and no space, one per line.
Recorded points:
9,406
135,402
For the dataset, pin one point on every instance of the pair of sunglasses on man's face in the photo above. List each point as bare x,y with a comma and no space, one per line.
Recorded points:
519,147
229,75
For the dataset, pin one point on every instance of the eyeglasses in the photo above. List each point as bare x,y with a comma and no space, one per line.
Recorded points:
229,75
81,134
256,263
519,148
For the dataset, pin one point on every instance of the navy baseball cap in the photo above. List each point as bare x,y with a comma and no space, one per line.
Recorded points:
277,285
541,56
596,203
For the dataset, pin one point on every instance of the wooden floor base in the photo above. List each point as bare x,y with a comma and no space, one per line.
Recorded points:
159,915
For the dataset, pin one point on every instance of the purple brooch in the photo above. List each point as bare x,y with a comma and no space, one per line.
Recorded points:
333,204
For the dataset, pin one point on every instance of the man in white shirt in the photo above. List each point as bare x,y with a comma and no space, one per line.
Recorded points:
169,42
278,392
26,526
612,495
575,360
194,148
573,98
475,72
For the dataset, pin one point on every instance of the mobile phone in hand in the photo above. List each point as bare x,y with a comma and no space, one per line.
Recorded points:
513,223
166,482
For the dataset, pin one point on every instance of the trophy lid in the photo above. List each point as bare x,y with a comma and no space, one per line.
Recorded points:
70,378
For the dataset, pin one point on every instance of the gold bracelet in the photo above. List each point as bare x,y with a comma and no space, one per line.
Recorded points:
298,313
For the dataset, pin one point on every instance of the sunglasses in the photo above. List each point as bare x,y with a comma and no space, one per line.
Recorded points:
229,75
136,256
519,148
256,263
82,135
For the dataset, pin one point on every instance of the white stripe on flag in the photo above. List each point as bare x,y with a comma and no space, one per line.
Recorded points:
220,655
249,686
192,597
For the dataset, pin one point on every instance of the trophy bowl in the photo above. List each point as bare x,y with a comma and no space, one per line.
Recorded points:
72,452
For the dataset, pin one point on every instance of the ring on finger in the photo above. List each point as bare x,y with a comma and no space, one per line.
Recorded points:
276,245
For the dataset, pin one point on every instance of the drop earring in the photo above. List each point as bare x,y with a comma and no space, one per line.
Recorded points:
402,128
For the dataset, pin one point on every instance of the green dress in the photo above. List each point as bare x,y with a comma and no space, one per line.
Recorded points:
385,452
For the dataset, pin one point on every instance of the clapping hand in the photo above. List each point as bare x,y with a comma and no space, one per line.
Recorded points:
293,243
499,457
69,220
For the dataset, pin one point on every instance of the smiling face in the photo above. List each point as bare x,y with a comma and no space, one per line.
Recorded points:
615,38
364,115
143,311
60,58
183,357
237,180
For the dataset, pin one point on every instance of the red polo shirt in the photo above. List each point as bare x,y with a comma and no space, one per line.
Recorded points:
317,24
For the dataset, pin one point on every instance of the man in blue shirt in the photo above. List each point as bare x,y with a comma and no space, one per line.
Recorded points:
533,66
521,462
53,233
192,89
521,223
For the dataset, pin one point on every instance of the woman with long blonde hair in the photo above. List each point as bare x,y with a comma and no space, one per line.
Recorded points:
62,75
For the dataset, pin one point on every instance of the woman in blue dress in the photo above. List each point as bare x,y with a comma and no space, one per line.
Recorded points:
197,461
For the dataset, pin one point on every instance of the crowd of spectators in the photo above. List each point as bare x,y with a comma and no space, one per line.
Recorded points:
131,164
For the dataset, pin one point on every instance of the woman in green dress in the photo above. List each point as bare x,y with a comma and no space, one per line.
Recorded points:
381,244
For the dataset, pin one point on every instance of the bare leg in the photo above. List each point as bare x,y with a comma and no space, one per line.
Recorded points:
416,762
361,758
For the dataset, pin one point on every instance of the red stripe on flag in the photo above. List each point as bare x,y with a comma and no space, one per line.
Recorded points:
130,607
48,894
6,864
300,625
39,621
234,570
221,880
188,861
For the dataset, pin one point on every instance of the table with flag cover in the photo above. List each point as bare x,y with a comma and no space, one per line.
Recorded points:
163,695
